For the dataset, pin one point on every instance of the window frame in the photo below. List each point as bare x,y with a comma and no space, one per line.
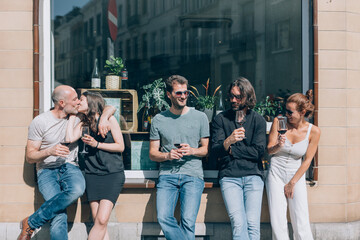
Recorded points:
46,68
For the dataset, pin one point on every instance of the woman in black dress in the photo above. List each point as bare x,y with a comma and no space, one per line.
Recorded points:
104,168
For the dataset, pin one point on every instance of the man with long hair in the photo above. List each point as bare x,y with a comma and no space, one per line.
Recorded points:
240,144
178,140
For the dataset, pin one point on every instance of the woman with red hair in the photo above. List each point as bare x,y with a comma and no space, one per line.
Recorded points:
292,154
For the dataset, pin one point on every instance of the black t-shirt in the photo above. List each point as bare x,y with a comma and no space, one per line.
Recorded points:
101,162
246,158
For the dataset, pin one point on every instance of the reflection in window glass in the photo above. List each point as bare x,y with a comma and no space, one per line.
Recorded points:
214,39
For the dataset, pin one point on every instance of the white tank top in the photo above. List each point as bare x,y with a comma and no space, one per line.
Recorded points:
290,155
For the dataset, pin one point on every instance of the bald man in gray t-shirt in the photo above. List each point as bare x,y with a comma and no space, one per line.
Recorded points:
59,179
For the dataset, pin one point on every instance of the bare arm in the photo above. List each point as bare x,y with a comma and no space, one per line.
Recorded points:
202,151
275,143
157,156
310,153
34,154
73,133
117,146
104,124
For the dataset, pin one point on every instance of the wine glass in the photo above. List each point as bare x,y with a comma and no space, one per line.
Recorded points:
85,131
282,126
177,141
64,143
240,118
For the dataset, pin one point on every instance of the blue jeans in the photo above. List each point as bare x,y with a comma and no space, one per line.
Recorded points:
60,187
169,188
243,198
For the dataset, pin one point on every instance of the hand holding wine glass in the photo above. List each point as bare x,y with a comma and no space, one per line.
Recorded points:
282,129
282,126
240,119
176,152
85,131
61,150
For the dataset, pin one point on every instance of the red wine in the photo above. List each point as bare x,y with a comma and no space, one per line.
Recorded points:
65,143
282,131
177,145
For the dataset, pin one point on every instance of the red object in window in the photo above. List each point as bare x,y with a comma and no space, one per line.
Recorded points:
112,19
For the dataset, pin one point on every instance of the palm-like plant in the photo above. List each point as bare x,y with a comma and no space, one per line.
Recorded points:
206,101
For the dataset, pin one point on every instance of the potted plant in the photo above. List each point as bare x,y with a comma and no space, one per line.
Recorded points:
269,109
205,103
152,101
114,67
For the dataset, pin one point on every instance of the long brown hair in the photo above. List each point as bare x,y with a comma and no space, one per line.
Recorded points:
246,90
96,104
303,102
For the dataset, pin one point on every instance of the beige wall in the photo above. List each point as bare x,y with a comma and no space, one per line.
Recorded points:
16,104
336,198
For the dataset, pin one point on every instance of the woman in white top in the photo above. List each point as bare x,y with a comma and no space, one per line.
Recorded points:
292,154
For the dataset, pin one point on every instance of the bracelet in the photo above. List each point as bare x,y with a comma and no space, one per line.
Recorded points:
97,145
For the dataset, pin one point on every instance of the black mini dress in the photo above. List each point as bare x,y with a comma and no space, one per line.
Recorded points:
104,171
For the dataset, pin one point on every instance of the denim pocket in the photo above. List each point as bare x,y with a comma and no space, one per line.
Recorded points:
39,172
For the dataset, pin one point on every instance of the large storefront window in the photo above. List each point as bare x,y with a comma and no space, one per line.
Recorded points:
262,40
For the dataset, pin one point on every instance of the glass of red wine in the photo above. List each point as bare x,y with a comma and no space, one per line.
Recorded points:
240,118
282,126
64,143
177,141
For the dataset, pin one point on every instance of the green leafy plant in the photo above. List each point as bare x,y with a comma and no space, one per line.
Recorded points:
267,109
154,96
114,65
206,101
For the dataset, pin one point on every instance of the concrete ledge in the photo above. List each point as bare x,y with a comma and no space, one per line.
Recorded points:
148,183
214,231
336,231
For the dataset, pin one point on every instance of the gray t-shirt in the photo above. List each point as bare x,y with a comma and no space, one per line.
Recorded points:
187,128
50,131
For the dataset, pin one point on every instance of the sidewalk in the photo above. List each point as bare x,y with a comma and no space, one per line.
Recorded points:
208,231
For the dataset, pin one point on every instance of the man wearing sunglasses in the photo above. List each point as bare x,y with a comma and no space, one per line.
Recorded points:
179,138
240,148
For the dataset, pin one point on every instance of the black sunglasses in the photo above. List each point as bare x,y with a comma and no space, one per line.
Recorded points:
180,93
238,97
289,112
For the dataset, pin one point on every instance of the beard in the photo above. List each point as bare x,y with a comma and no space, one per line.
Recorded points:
238,108
177,106
241,107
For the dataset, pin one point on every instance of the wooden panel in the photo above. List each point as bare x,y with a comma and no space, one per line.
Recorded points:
129,105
